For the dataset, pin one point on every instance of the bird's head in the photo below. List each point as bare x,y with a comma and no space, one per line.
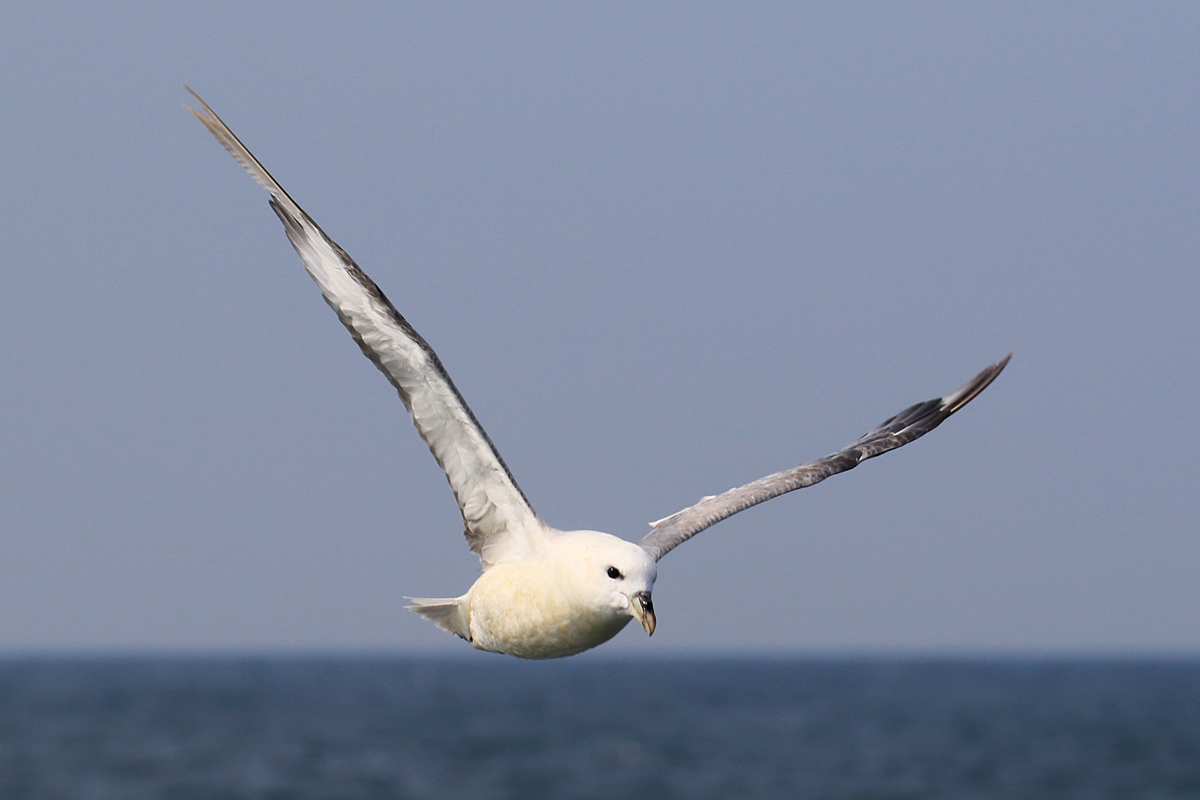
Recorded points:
612,575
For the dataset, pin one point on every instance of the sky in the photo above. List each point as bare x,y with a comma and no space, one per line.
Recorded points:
663,249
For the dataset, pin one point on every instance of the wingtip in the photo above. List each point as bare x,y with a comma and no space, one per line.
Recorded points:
972,388
207,117
199,100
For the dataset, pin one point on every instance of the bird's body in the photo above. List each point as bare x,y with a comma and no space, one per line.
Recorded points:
543,593
553,604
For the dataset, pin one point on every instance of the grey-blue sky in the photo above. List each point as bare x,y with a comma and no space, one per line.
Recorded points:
662,251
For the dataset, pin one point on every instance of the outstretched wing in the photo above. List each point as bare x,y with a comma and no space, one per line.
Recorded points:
500,523
909,425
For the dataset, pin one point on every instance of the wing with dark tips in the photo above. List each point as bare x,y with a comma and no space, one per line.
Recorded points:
909,425
500,523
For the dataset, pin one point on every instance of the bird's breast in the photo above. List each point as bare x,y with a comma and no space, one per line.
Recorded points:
521,610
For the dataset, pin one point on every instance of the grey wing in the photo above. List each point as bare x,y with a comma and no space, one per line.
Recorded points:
500,523
909,425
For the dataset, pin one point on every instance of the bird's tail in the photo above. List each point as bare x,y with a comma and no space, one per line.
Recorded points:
449,614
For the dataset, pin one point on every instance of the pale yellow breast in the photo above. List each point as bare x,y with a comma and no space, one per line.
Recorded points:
522,610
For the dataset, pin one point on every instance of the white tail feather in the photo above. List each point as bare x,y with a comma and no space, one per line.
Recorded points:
448,613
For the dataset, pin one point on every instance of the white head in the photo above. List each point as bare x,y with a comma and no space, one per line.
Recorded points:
609,575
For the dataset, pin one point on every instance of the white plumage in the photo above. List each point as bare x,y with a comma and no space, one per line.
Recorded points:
544,593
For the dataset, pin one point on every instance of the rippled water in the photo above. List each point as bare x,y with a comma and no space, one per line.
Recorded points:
489,728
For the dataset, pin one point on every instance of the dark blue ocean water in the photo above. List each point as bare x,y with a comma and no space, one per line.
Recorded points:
187,729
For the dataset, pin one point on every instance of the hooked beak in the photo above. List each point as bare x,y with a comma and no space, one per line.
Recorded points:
642,608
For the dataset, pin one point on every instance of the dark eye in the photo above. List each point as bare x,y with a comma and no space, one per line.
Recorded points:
615,573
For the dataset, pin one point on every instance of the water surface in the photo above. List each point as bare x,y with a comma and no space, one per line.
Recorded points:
192,728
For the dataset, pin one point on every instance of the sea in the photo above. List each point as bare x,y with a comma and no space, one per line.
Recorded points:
341,728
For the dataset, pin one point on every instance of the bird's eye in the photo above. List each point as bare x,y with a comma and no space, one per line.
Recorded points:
615,573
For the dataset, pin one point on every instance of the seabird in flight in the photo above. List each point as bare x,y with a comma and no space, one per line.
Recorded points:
543,593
